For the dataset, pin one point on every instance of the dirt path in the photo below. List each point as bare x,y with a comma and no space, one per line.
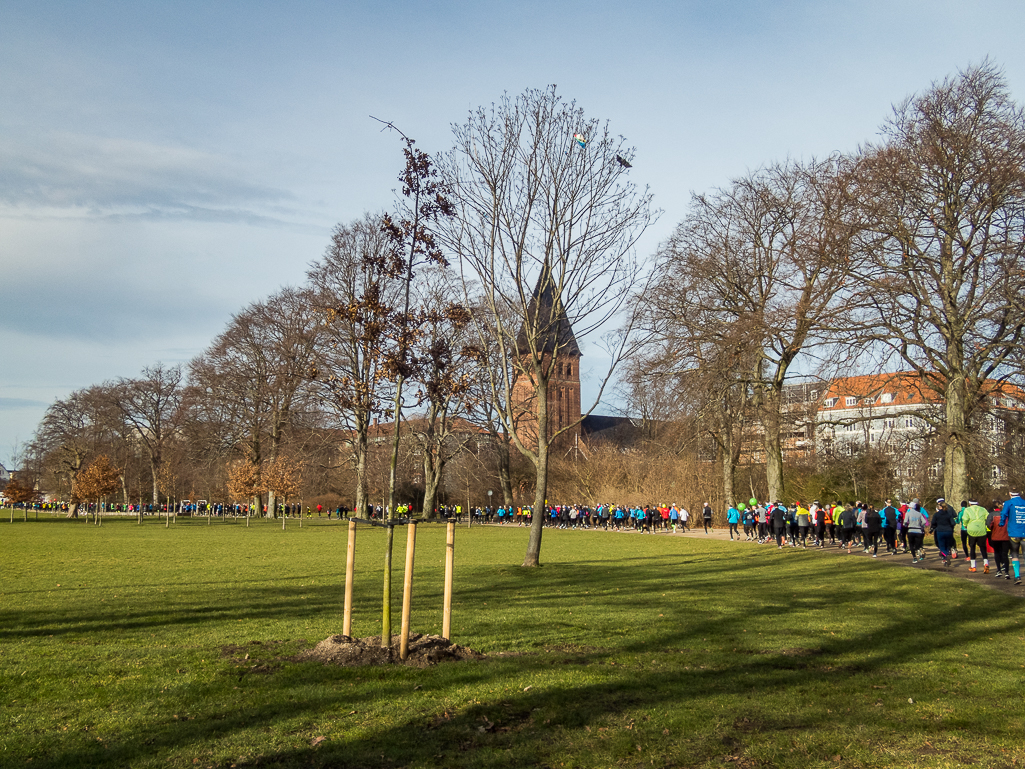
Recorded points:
932,562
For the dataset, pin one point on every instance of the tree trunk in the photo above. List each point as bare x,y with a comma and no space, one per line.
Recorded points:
360,450
433,469
533,556
771,419
388,514
154,464
728,474
955,450
505,469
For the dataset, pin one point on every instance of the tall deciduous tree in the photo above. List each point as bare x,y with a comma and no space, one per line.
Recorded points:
152,406
760,267
542,201
944,196
413,244
348,372
444,358
68,437
253,377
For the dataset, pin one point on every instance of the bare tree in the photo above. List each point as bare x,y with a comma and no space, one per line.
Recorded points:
253,377
348,373
760,265
944,195
542,202
443,354
152,406
67,437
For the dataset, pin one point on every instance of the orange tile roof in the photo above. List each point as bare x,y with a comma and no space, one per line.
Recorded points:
906,388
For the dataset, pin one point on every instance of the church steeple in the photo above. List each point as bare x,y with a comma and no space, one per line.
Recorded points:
546,317
556,345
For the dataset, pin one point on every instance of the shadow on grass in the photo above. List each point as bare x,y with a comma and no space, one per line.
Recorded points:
660,692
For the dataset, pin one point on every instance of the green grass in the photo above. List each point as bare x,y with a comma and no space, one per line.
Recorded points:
626,650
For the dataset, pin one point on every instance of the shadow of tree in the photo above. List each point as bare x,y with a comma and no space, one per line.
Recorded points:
651,689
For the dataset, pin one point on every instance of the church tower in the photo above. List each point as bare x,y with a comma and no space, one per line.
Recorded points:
551,339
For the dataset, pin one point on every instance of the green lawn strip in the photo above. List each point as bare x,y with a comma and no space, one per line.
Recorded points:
622,650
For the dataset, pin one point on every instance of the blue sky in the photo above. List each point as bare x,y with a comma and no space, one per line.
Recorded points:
164,164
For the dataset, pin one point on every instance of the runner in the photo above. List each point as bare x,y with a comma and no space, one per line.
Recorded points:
889,516
973,520
914,525
778,523
1000,541
1012,516
942,527
733,519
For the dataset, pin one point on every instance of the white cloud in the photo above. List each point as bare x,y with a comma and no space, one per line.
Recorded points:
65,175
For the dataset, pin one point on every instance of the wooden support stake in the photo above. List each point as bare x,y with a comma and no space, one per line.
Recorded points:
450,557
350,563
407,589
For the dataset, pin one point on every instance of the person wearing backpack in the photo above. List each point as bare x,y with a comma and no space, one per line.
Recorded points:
748,519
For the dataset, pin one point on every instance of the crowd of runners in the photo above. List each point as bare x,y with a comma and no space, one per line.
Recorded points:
995,532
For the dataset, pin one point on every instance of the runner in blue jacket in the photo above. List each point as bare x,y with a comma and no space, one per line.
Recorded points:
1013,517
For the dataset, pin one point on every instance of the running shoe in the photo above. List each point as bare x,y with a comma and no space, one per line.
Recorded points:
972,569
985,568
1017,580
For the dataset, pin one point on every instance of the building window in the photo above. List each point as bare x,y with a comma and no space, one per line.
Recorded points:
889,423
830,402
850,400
886,398
869,401
909,422
850,428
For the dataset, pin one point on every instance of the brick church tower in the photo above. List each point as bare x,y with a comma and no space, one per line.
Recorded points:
556,346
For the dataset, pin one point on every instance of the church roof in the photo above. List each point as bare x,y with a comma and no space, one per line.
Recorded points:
553,327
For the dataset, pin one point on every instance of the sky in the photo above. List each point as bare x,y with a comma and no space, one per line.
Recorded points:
164,164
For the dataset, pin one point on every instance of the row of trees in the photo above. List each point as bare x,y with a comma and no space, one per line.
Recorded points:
907,254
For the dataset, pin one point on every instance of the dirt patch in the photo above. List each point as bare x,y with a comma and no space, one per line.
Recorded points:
424,651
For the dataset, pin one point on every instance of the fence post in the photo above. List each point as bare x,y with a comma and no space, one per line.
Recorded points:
450,553
350,562
407,589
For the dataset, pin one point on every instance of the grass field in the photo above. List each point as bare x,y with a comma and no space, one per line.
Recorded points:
621,651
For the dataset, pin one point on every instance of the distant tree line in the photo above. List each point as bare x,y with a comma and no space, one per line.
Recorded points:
907,254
